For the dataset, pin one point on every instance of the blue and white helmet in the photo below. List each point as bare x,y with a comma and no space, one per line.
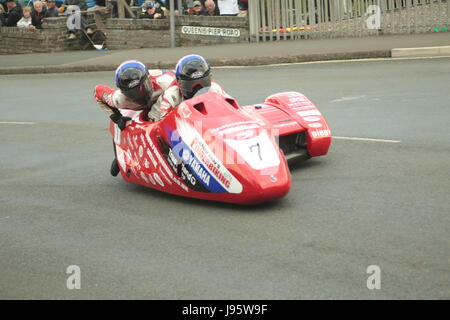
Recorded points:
193,73
133,81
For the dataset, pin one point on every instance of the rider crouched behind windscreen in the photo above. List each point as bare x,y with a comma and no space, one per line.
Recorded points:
138,89
193,73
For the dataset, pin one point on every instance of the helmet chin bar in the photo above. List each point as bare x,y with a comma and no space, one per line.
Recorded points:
190,87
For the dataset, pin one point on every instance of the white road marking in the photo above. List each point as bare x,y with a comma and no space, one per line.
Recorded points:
17,122
348,98
367,139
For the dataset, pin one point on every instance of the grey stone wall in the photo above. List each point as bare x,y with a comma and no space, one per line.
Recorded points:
120,34
239,23
146,33
51,38
137,33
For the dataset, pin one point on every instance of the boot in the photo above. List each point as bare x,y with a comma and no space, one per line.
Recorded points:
114,168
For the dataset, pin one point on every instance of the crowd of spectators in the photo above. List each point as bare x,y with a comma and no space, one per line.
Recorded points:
13,11
29,13
192,7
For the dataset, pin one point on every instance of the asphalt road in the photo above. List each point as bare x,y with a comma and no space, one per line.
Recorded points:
366,203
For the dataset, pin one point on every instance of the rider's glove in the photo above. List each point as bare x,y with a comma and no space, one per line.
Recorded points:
120,120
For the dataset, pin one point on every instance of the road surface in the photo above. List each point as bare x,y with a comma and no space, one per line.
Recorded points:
382,202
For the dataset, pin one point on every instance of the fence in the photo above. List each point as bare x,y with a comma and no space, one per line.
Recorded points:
294,19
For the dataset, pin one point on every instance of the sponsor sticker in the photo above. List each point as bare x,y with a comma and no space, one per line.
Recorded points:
320,133
199,158
311,119
315,125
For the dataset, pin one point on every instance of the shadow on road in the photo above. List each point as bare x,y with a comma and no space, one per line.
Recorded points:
229,207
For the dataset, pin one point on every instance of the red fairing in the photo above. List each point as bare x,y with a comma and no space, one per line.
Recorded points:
306,115
211,148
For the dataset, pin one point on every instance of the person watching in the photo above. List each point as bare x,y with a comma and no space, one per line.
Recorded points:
151,10
38,13
197,9
52,9
211,9
2,15
228,7
26,21
14,13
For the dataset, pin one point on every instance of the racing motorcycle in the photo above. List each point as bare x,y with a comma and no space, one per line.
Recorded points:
212,148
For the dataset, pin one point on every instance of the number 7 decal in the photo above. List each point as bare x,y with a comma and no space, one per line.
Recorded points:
259,149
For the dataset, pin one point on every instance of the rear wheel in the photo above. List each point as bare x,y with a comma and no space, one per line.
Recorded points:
294,147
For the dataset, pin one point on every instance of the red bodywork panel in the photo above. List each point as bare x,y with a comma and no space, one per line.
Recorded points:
291,112
211,148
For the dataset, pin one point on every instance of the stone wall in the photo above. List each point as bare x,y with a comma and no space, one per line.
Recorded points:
137,33
122,34
237,23
51,38
145,33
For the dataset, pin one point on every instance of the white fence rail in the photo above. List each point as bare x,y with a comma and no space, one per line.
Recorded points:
293,19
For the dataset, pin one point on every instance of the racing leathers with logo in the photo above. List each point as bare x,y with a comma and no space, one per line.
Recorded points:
171,98
139,89
193,73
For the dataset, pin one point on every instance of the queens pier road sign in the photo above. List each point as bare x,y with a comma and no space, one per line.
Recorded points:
209,31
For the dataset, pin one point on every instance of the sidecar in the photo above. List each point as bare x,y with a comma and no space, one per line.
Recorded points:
212,148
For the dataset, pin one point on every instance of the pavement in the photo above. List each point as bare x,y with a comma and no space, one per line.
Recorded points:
368,202
243,54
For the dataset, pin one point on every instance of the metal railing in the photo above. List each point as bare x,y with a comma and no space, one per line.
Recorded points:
293,19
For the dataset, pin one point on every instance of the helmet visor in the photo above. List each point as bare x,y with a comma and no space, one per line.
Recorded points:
140,94
190,87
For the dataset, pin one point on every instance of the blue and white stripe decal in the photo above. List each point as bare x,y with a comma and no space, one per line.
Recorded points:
184,153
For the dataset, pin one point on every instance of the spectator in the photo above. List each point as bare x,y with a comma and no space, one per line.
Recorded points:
38,14
59,3
2,16
243,5
197,9
177,10
80,3
14,13
83,23
211,9
52,9
112,5
243,8
151,11
228,7
26,21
